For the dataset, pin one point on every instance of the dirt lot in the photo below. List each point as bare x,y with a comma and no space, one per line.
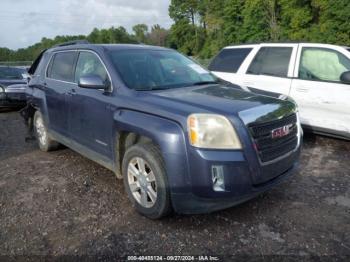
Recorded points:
63,204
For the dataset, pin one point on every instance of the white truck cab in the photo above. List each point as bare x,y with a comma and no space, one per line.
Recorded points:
316,76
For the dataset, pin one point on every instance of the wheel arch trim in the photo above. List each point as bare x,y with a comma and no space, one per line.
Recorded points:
166,134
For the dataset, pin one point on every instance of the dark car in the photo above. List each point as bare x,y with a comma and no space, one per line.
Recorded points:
180,140
13,83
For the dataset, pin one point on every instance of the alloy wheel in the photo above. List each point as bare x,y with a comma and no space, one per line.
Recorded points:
142,182
40,130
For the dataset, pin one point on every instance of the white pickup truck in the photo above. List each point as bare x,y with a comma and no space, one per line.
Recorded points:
316,76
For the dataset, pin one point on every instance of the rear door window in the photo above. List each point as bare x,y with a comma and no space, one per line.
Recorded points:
61,66
229,60
272,61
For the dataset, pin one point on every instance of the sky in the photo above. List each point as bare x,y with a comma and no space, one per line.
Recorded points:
25,22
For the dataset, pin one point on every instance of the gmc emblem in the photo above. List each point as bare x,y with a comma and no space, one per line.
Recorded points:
281,131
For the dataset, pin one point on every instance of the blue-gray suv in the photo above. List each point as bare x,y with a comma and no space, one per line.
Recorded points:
180,138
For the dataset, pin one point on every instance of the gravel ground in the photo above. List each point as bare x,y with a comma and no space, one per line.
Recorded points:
61,204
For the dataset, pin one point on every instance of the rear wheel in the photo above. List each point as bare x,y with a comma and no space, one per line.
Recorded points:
145,180
46,144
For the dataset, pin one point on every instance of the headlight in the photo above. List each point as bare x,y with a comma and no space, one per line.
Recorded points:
2,93
212,131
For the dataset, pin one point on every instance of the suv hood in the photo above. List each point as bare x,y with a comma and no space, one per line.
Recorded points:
5,82
226,100
17,88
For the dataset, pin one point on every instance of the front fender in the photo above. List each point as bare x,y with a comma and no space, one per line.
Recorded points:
168,135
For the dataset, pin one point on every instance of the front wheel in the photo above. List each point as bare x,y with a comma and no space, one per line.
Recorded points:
46,144
145,180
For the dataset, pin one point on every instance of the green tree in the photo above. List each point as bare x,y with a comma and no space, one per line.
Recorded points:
182,37
184,9
232,21
332,19
158,36
140,31
297,19
255,21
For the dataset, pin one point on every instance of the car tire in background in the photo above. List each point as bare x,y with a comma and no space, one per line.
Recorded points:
45,143
145,180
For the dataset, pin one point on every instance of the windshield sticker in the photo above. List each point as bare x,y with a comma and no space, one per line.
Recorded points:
198,69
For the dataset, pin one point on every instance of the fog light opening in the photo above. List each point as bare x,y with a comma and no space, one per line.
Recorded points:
217,173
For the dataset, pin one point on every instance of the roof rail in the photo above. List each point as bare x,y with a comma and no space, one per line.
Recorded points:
76,42
274,42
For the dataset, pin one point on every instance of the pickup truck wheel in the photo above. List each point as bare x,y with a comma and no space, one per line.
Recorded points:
145,180
46,144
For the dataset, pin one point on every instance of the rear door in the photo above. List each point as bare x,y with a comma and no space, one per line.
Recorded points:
323,100
58,81
228,63
271,69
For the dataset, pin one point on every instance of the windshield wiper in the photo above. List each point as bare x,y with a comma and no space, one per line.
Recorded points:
152,88
165,87
201,83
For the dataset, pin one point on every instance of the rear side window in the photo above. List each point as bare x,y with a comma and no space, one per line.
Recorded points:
38,63
272,61
229,60
61,66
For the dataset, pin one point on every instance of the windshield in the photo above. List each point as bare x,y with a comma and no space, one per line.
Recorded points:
10,73
158,69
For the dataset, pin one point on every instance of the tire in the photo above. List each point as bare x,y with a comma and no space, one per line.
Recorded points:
147,155
45,143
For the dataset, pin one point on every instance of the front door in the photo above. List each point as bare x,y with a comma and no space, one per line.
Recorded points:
90,117
323,100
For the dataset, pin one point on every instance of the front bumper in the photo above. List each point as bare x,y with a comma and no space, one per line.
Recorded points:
192,204
240,180
8,100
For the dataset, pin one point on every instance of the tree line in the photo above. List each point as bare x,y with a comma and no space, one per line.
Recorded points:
141,34
202,27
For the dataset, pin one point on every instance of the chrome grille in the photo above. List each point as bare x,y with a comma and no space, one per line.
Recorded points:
269,148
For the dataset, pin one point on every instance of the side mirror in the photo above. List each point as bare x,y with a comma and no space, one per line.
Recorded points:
345,77
26,77
92,82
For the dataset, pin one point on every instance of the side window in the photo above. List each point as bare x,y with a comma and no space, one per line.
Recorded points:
62,66
89,64
272,61
322,64
229,60
49,67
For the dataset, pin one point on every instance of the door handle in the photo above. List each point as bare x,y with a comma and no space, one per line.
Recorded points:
41,87
111,107
328,102
71,92
302,89
248,84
